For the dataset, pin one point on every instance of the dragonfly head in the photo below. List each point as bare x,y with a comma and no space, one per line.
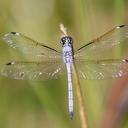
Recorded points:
66,40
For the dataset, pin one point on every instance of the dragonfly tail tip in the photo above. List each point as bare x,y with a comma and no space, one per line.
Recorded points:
71,115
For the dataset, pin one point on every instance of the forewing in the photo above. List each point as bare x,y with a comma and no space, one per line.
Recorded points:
104,46
102,69
37,71
30,47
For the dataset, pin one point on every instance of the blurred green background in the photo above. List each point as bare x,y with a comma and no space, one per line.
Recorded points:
26,104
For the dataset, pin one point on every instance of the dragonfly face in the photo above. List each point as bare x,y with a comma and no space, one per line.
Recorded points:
66,40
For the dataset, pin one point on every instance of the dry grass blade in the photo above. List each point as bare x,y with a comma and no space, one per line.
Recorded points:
83,118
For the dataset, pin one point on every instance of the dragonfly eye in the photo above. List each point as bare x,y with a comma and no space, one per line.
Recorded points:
70,40
66,40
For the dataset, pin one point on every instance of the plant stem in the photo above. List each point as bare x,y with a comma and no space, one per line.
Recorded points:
83,118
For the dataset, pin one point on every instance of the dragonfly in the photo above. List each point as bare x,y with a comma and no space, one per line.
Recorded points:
93,60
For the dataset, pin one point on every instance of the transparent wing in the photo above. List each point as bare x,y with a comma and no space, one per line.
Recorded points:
43,70
30,47
104,46
101,69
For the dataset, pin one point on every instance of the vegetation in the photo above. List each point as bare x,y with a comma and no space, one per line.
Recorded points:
28,104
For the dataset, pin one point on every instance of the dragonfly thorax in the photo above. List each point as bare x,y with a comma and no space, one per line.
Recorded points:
66,40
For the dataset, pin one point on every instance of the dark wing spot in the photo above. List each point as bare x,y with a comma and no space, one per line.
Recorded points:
126,60
121,26
9,63
13,33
